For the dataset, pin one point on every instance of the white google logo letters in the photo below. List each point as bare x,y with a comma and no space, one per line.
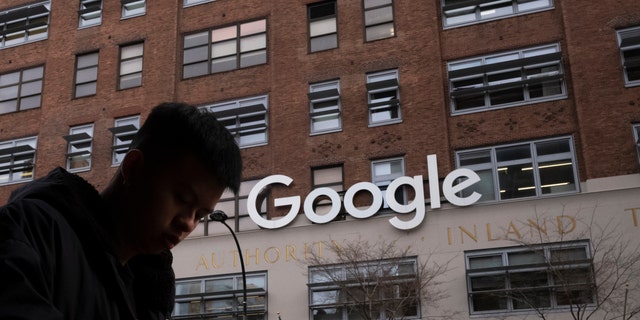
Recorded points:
449,189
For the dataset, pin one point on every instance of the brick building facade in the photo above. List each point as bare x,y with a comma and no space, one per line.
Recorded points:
350,85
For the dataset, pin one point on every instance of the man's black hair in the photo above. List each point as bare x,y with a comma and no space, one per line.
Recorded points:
175,129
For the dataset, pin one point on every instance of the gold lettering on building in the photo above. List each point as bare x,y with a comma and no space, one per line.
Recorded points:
634,215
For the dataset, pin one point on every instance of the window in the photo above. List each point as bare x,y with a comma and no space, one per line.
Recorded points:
347,291
79,147
636,138
531,169
246,119
324,101
90,13
629,42
327,177
235,206
383,97
548,276
123,132
506,79
133,8
86,74
323,28
24,24
131,66
378,19
461,12
384,172
195,2
21,90
220,297
17,160
224,49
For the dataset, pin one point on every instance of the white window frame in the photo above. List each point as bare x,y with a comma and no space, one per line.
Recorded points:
329,288
246,119
131,62
86,74
629,40
18,154
90,13
124,129
21,89
478,11
36,27
378,19
133,8
194,293
383,98
225,49
323,30
79,147
325,107
386,166
491,170
531,72
190,3
496,262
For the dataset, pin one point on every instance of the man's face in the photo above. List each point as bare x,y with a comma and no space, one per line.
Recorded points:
167,203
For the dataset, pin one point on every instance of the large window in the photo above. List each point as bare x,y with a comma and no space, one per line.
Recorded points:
506,79
383,97
133,8
383,172
365,290
79,147
223,49
17,160
131,66
221,297
629,42
530,169
24,24
327,177
378,19
90,13
324,102
246,119
124,130
537,277
323,27
21,90
86,75
461,12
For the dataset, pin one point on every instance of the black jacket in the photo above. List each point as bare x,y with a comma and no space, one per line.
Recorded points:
57,261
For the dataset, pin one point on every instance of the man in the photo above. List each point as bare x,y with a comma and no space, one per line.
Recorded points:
69,252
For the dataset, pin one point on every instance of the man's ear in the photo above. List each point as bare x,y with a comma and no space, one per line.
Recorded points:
132,165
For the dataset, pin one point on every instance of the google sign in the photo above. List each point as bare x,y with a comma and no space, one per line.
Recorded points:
464,177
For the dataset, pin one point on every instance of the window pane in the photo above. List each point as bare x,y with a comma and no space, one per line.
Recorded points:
253,43
322,27
253,27
224,33
516,181
380,31
324,43
377,16
225,48
526,257
253,58
557,177
485,262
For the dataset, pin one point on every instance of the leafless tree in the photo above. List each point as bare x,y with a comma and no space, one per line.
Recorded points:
610,290
377,280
